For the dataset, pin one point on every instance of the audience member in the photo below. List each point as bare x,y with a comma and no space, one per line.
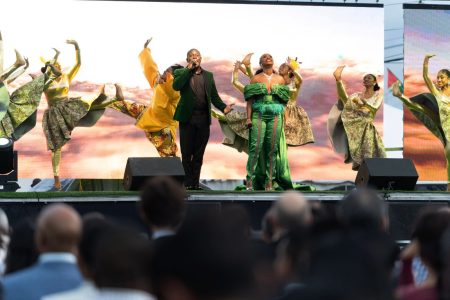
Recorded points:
4,240
122,267
57,236
94,227
427,244
364,209
162,204
203,262
22,250
291,211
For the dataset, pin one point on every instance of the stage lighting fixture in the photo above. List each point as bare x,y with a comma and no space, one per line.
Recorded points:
8,165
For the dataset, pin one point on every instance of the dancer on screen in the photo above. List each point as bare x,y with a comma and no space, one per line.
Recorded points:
64,113
18,110
350,122
156,119
433,110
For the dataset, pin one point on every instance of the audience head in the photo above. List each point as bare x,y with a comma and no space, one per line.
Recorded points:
292,210
203,261
363,209
95,227
236,220
22,250
123,260
342,264
58,229
428,232
162,202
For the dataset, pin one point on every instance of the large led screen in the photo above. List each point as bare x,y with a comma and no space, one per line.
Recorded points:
112,34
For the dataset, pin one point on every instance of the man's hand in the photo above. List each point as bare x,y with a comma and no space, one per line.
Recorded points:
228,108
248,123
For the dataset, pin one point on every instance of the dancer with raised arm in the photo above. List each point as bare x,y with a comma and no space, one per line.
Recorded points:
156,119
350,122
432,109
64,113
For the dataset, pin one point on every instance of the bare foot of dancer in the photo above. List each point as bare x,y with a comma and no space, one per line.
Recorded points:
119,94
396,89
57,184
20,61
246,60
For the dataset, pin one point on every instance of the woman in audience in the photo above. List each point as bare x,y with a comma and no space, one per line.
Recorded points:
426,243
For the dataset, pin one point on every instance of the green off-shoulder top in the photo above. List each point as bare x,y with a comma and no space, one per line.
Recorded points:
265,102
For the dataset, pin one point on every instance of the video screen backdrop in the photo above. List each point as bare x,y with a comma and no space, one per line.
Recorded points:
111,35
427,31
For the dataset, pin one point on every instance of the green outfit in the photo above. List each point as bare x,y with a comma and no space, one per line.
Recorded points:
185,107
266,136
18,112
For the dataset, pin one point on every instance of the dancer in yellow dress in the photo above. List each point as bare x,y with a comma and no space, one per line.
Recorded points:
64,113
156,119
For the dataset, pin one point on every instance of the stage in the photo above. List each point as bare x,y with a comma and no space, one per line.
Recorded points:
109,198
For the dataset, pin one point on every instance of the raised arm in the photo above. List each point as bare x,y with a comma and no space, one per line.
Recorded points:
342,93
149,66
298,80
426,78
71,74
234,77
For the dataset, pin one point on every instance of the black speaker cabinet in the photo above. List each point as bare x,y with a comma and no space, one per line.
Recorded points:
139,169
387,174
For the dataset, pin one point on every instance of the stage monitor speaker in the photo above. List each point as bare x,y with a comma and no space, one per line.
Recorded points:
387,174
139,169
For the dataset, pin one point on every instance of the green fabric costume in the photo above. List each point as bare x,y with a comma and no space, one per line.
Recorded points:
267,142
19,117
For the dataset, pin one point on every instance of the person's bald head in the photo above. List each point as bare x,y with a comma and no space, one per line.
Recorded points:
292,210
58,229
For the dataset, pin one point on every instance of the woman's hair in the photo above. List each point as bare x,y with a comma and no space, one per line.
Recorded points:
172,68
376,87
290,71
445,71
428,230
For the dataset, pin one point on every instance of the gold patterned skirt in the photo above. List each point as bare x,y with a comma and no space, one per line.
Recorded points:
62,116
362,136
297,127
